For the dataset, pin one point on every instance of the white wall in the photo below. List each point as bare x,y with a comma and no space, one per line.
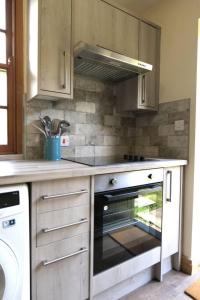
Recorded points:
179,22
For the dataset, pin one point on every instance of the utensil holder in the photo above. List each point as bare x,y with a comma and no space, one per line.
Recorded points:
52,148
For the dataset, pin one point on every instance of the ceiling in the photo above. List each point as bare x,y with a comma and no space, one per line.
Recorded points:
137,6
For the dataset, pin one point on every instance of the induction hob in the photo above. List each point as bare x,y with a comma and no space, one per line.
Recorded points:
107,160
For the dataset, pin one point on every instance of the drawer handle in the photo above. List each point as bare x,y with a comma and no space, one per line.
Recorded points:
46,230
49,262
64,195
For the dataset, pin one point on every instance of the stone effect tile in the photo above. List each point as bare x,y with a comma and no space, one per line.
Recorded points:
98,129
155,134
95,128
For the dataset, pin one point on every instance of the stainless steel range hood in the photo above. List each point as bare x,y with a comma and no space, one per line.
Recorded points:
106,65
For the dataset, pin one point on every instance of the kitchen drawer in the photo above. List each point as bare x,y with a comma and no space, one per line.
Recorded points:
61,194
60,224
62,269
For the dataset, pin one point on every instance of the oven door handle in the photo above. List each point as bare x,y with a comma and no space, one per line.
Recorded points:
111,198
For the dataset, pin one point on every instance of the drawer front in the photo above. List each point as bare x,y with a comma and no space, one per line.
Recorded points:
63,269
61,194
60,224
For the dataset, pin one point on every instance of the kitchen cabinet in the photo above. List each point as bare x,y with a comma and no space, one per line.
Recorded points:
50,61
149,52
60,239
171,212
83,21
142,91
99,23
116,30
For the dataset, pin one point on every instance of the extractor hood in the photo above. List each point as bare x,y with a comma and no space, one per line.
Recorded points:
106,65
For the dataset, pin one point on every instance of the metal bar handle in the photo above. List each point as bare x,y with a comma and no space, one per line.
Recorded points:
45,197
111,198
143,88
49,262
169,186
64,55
46,230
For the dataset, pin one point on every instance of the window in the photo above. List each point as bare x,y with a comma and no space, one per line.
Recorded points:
11,76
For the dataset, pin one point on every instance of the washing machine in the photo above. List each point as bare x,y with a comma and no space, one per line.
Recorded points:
14,243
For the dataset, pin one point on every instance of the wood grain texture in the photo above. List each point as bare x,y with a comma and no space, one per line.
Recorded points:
66,279
59,218
55,46
69,277
114,29
171,225
52,188
32,171
83,21
50,59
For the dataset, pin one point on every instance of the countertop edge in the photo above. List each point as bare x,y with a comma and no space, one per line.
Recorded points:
79,170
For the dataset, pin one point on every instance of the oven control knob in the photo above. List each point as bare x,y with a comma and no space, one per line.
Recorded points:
113,181
150,176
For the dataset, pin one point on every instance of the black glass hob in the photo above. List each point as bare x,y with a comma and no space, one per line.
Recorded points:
107,160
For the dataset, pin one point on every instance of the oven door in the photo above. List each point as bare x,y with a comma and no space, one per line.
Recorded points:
127,222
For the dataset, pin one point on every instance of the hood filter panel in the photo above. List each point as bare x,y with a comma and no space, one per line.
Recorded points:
100,71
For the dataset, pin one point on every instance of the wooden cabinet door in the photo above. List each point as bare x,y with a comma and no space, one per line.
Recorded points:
62,270
171,211
55,47
149,44
83,21
116,30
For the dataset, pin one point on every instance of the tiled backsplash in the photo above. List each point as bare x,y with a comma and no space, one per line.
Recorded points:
96,128
165,134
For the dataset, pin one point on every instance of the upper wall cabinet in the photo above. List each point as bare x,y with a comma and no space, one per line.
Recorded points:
116,30
83,21
50,65
149,51
142,92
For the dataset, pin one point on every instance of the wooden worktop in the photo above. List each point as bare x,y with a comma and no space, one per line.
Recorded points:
28,171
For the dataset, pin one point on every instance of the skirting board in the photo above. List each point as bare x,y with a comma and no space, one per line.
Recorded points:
188,267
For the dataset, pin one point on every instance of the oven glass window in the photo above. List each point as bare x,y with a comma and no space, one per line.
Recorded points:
127,223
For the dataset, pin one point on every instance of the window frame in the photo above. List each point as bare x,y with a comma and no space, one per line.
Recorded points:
14,66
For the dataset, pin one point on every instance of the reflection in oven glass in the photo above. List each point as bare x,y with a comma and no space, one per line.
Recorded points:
127,226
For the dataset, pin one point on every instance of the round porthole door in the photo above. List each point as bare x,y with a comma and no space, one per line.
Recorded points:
9,273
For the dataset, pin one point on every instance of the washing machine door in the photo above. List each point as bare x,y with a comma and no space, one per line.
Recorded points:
9,273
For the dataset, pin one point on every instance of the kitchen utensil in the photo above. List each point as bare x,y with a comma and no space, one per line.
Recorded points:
48,127
62,124
41,130
55,126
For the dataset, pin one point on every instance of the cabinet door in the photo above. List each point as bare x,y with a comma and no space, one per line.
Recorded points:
55,47
116,30
171,211
62,270
83,20
149,44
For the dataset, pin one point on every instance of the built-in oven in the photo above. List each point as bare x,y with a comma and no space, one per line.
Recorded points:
127,219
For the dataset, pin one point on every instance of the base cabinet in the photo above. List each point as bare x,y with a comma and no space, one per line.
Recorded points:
171,212
60,239
66,278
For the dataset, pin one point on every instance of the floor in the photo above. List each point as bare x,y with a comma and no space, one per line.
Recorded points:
172,288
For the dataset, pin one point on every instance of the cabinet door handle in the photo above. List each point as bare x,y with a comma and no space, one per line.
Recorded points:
64,84
143,89
49,262
169,186
46,230
45,197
